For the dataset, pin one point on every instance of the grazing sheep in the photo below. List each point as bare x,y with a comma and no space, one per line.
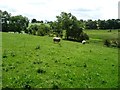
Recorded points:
83,42
56,39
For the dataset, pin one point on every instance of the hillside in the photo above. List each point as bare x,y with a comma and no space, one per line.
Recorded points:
36,62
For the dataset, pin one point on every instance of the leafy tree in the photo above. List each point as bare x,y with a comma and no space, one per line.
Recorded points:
33,21
5,16
117,24
102,24
91,24
13,23
56,28
109,24
42,30
18,23
68,22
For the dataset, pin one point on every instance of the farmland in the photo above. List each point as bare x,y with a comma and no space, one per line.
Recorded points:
30,61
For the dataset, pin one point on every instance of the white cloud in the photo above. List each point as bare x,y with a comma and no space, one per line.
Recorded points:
48,9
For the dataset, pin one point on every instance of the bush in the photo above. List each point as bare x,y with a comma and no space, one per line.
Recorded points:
43,30
39,30
107,42
112,43
32,29
83,36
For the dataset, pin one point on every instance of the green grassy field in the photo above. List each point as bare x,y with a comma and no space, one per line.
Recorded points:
98,36
36,62
37,24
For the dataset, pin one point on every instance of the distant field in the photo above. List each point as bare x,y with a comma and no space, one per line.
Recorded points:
36,62
98,36
102,34
37,24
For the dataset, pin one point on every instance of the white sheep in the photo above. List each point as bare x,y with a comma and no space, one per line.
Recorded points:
83,41
56,39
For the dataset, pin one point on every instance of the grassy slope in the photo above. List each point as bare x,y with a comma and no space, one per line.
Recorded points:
70,64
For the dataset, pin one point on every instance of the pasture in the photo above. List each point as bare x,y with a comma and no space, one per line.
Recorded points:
36,62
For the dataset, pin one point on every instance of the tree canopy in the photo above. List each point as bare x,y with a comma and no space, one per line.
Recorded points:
13,23
73,27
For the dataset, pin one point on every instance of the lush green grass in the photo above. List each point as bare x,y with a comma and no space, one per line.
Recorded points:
37,62
37,24
98,36
102,34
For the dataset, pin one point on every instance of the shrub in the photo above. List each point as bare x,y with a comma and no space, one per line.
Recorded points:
107,42
112,43
40,32
83,36
32,29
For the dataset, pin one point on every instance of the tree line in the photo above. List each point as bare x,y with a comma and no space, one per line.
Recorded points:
13,23
74,28
102,24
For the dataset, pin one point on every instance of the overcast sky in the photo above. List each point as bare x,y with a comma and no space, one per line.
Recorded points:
49,9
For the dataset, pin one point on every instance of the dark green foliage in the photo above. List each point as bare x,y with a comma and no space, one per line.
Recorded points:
107,43
40,30
102,24
33,29
68,22
91,24
112,43
33,21
56,27
5,16
13,23
41,71
18,23
54,87
84,36
27,87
